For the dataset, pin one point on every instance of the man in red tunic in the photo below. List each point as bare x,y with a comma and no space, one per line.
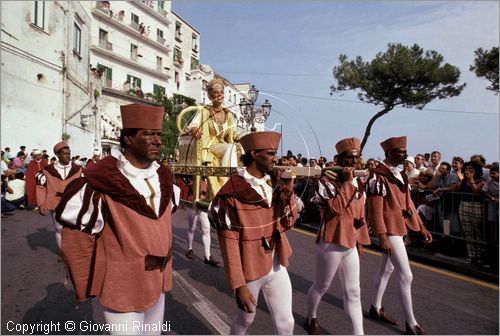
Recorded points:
251,220
52,181
117,239
34,167
391,211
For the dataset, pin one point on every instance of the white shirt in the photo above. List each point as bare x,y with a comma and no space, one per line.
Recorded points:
259,185
4,166
18,188
61,168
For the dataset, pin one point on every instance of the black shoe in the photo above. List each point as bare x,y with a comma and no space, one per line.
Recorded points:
211,261
380,316
418,330
190,255
312,326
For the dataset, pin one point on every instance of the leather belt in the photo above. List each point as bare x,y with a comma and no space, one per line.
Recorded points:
152,262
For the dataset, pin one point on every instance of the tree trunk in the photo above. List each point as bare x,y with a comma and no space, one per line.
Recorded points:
370,124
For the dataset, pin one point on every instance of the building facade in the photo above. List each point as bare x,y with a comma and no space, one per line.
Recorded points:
45,78
67,66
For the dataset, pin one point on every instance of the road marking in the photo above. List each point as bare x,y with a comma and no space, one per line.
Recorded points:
211,313
427,267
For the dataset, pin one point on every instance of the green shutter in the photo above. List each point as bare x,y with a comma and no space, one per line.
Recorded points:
139,82
109,73
155,88
129,79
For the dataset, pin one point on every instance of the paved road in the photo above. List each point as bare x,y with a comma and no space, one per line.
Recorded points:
33,293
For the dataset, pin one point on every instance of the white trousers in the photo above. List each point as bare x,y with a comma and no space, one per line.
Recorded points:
277,291
58,228
148,317
329,258
398,262
193,218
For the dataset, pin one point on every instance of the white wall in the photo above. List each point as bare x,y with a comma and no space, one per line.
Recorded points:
32,108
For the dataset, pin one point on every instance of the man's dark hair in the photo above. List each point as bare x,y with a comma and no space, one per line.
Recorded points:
448,166
494,169
22,147
481,158
127,132
247,159
20,153
20,176
303,160
459,159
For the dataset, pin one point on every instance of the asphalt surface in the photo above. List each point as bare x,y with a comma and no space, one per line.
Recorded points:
34,294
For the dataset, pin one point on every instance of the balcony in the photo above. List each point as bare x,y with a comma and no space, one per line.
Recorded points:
128,62
195,48
106,45
161,14
131,29
178,62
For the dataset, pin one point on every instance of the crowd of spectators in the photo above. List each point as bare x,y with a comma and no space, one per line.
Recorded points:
18,176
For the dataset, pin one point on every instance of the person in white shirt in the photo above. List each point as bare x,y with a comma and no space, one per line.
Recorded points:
17,193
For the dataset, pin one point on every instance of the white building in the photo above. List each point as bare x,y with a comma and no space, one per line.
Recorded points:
45,79
49,47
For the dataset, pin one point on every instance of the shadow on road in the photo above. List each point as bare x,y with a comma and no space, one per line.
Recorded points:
182,322
60,305
43,238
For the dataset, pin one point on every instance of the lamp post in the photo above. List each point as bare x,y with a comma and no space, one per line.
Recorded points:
250,112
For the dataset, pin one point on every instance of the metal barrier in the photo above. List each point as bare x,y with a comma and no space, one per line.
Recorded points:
448,218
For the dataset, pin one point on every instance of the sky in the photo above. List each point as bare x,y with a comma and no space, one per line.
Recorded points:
288,49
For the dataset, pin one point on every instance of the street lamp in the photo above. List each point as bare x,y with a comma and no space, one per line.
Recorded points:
250,112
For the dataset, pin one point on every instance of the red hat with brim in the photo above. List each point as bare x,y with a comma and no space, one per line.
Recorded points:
346,144
142,116
395,142
59,146
260,140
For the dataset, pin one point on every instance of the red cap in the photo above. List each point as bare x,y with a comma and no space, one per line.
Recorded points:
59,146
395,142
142,116
260,140
346,144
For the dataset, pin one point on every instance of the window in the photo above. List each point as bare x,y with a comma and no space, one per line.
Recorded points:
178,31
194,42
77,39
178,56
195,63
176,76
103,38
161,8
108,74
159,36
229,95
158,89
159,63
133,52
134,81
39,14
134,21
